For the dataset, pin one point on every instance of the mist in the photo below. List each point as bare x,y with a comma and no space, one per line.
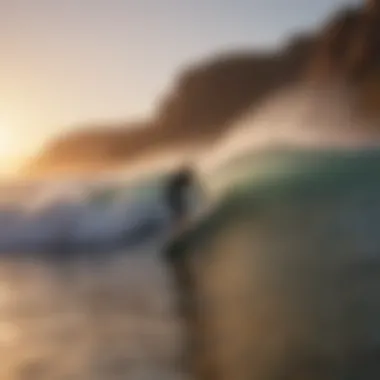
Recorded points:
307,116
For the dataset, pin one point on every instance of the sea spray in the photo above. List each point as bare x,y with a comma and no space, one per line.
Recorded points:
304,117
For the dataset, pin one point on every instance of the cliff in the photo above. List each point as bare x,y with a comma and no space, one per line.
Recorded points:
212,93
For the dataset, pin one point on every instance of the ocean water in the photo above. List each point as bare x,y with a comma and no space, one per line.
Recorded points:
110,318
84,292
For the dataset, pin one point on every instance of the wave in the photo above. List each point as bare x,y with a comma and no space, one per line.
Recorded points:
78,216
304,117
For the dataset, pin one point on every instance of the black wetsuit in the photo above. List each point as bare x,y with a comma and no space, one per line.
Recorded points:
176,193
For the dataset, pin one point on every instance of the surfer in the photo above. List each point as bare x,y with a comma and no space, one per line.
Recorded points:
177,195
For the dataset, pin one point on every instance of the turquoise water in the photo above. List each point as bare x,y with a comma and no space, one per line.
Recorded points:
286,266
145,189
283,165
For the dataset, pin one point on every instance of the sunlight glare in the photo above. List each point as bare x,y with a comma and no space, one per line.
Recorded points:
7,143
8,150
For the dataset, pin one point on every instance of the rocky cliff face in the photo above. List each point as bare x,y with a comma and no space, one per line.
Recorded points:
349,50
349,44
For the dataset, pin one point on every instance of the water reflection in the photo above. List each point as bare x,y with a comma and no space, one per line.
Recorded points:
85,319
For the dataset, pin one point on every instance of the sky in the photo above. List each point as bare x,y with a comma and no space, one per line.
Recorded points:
68,62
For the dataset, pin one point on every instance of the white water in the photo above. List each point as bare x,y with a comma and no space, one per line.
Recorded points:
306,117
71,214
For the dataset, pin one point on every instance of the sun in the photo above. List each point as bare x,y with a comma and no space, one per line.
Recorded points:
7,143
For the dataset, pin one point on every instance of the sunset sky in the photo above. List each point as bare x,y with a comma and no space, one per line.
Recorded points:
64,62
